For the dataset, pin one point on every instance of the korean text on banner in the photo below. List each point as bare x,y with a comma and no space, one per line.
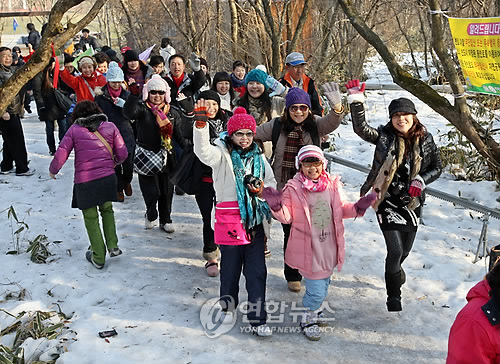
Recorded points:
477,41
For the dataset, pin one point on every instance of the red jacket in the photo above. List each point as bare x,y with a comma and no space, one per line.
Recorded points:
77,83
473,339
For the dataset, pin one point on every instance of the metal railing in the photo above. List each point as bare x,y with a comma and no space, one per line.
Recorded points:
486,211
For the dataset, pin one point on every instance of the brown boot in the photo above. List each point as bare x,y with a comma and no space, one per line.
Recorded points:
294,286
120,196
128,189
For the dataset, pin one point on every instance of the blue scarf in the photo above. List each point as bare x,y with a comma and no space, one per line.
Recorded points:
236,81
253,210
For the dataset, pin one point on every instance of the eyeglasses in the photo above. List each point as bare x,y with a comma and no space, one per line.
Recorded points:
312,164
240,134
302,108
157,92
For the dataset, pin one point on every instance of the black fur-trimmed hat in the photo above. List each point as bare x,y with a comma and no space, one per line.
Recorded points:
402,105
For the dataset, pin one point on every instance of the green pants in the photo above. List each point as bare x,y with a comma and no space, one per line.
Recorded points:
91,218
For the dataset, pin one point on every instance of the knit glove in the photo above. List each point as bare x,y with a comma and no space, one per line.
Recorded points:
194,62
119,102
134,89
416,187
364,202
355,91
275,86
332,93
272,197
200,116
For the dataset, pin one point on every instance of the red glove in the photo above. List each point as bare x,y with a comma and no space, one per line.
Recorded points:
134,89
416,187
354,88
200,116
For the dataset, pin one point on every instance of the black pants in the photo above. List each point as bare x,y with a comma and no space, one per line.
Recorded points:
251,258
291,274
14,147
159,190
205,200
125,172
399,244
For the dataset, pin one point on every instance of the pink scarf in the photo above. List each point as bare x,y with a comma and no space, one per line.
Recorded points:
318,185
114,93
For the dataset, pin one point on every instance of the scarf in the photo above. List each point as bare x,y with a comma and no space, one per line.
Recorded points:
114,93
294,142
318,185
166,127
137,75
237,82
253,210
178,80
256,109
225,101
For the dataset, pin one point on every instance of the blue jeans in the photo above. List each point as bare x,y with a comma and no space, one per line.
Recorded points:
316,292
49,131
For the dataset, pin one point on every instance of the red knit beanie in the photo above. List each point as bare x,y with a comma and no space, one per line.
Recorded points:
241,120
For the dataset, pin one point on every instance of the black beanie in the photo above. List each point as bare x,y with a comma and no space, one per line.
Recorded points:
401,105
210,95
130,56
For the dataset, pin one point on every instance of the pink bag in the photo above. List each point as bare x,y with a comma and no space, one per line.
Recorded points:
228,228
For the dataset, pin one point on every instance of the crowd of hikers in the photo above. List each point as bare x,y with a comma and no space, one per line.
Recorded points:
246,145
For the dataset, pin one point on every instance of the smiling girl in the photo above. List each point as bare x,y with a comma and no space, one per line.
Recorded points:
88,84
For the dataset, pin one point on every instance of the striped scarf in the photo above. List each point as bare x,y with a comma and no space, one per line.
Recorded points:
294,142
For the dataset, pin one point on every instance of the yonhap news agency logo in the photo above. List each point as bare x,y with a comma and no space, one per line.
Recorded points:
282,317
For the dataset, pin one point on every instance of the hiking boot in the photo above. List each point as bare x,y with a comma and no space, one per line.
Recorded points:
310,326
168,227
128,189
394,304
262,330
120,196
148,224
90,258
114,252
12,170
29,172
294,286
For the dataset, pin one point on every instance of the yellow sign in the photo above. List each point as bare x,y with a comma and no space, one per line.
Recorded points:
477,41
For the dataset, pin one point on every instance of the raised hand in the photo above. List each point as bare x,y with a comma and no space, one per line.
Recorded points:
332,92
354,87
275,86
194,62
200,114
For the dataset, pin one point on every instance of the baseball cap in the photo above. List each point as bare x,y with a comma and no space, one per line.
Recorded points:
294,59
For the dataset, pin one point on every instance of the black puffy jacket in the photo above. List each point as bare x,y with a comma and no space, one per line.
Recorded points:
384,137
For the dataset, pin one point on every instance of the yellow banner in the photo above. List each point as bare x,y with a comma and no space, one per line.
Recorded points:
477,41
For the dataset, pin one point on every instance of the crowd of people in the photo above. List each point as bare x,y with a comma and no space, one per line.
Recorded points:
248,147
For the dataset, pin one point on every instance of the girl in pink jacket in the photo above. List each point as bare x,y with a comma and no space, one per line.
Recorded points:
313,203
98,146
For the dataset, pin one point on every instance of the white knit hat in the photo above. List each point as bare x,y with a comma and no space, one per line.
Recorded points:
114,74
310,151
156,83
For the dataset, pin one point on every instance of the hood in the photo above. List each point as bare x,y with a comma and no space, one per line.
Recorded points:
480,290
91,122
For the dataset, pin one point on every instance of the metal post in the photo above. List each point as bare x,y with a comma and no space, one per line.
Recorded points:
483,241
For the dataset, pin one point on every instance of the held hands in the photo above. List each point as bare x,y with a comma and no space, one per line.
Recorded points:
275,86
134,87
364,202
194,62
416,187
200,114
332,93
272,197
355,91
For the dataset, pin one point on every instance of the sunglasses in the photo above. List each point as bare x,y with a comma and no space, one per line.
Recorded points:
156,92
240,134
302,108
312,164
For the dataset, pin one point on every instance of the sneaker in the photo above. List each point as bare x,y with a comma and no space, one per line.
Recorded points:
114,252
148,224
267,252
128,189
89,257
120,196
212,269
29,172
322,319
8,171
294,286
262,330
168,227
309,325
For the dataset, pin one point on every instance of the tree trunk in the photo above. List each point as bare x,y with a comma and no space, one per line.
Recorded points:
458,114
233,13
192,28
55,33
130,21
300,26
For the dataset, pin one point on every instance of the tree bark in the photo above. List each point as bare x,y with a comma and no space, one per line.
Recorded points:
55,34
300,26
457,114
233,13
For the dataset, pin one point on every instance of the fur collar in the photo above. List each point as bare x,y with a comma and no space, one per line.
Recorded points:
91,122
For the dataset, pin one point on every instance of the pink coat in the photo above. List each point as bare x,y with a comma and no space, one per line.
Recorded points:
92,158
299,252
473,339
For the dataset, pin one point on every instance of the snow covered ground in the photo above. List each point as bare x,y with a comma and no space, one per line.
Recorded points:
152,295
